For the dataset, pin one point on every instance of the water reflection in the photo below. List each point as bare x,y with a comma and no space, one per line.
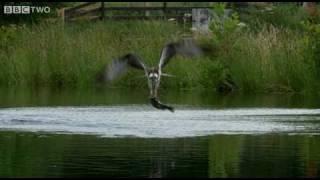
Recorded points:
15,97
272,155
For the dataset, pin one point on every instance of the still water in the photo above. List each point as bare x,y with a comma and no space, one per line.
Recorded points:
114,132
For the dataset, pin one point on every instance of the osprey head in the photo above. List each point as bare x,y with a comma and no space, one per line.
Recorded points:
153,76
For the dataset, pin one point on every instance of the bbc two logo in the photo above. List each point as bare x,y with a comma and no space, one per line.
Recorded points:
25,9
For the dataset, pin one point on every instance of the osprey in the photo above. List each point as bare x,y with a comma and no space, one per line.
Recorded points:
186,47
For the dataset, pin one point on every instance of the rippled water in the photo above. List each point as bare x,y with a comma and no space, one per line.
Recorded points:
73,133
144,121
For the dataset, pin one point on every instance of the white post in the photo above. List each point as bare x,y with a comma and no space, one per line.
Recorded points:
200,20
147,12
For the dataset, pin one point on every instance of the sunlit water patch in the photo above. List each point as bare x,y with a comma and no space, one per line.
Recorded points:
144,121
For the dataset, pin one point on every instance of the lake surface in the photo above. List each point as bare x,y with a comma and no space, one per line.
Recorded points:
116,133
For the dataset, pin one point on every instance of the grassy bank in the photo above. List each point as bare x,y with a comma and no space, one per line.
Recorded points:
71,55
274,59
271,60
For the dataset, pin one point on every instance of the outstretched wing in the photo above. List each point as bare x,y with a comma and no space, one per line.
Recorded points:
186,47
120,66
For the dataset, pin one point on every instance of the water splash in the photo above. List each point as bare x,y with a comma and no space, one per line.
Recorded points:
145,121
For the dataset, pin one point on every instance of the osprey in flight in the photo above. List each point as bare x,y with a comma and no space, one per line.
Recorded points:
186,47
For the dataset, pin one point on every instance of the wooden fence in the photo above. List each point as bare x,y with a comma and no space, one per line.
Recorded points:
104,10
101,11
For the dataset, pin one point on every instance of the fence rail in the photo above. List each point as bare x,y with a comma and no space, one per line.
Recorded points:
101,11
79,7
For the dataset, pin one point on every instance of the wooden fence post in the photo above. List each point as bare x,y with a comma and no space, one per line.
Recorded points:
164,9
61,14
102,10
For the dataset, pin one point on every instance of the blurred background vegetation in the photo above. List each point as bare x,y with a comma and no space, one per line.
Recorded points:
268,47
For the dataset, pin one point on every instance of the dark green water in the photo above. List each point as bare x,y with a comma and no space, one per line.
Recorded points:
36,154
271,155
19,97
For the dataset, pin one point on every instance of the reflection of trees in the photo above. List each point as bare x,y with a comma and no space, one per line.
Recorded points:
12,97
280,156
24,154
310,155
224,155
27,154
135,157
271,155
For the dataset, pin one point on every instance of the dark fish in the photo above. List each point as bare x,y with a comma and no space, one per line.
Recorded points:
157,104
